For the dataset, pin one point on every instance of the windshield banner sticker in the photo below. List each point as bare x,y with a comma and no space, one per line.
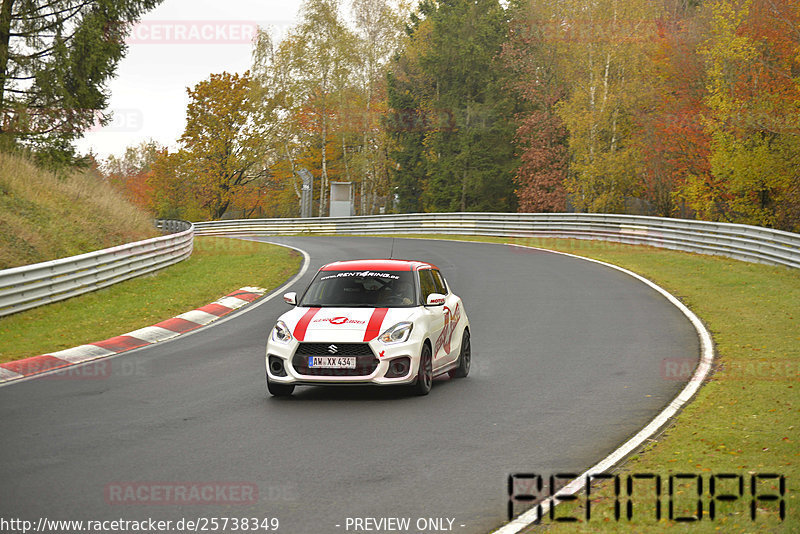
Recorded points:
374,274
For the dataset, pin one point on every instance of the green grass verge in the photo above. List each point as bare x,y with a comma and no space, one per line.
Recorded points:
217,267
744,420
44,216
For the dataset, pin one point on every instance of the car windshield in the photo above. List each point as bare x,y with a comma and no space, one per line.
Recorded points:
361,289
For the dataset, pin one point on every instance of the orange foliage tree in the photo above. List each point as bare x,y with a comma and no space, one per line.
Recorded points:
542,137
753,97
671,135
131,172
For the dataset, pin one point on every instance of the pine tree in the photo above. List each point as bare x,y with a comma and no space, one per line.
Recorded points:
55,58
452,83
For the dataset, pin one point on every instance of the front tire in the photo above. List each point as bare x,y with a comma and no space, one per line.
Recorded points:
425,373
464,359
279,390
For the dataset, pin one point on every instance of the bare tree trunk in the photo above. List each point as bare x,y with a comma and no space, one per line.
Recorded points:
365,205
464,190
5,38
363,202
294,170
344,157
466,167
324,180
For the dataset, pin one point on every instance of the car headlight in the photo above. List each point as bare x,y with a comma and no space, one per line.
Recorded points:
396,334
281,333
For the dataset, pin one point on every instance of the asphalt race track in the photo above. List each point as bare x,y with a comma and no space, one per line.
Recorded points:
567,364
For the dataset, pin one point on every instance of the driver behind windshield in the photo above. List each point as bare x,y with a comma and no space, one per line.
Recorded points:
351,289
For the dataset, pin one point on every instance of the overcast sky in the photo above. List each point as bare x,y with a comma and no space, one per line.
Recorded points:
175,46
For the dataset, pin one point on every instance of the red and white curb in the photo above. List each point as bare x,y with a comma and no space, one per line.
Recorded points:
149,335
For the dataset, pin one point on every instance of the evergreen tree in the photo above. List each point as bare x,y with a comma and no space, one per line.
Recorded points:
454,89
55,59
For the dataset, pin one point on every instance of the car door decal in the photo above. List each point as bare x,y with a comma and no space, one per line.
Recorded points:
446,337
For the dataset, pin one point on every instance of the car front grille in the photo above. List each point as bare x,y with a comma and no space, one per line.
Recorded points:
341,349
366,362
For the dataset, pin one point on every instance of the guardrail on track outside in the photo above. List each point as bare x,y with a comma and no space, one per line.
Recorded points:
29,286
743,242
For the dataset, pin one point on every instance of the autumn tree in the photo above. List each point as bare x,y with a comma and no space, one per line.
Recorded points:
131,172
226,144
322,61
603,51
378,30
300,77
753,95
325,81
670,133
176,192
541,135
276,87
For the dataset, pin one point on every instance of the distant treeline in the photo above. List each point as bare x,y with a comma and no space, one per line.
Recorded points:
669,107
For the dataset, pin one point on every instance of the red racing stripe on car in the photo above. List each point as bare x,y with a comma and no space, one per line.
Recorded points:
375,322
302,324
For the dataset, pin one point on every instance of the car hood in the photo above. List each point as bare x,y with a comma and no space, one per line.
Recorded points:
351,325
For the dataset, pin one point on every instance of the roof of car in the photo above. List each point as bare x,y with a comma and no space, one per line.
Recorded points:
377,265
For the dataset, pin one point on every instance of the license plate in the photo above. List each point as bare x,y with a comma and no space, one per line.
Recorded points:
331,362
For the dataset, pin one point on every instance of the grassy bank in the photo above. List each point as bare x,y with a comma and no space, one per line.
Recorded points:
745,419
217,266
44,216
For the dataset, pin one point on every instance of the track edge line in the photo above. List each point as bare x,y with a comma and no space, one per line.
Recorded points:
666,415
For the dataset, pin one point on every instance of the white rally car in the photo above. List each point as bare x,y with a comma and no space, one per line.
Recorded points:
386,322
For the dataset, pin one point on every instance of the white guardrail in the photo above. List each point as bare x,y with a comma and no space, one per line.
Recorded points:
743,242
26,287
29,286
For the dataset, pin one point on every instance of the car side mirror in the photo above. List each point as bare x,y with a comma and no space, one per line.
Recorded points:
435,299
290,298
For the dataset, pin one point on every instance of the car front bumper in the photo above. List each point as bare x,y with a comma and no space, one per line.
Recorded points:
383,355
